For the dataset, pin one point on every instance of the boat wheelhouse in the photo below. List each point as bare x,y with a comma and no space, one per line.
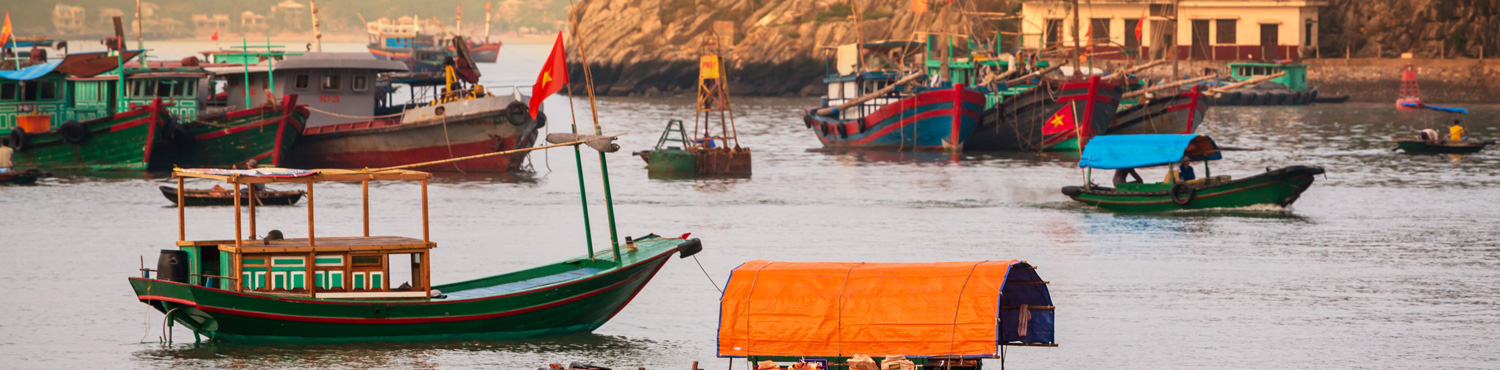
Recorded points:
1288,85
347,288
1277,187
403,40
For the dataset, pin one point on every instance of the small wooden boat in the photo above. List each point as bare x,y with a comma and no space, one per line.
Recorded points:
18,177
200,197
321,288
1419,146
937,313
1279,187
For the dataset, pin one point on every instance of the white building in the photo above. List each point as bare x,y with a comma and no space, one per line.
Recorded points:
1213,29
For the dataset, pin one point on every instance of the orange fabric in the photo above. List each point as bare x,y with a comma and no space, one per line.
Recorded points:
840,309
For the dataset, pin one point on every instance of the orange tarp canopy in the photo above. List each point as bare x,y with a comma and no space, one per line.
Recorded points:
842,309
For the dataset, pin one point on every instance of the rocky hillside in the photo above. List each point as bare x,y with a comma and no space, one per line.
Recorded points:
773,47
1425,28
777,47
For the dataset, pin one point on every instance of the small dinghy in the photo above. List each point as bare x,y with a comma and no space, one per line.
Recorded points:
26,177
224,197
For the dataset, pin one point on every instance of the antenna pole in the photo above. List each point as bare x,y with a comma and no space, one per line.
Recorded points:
317,34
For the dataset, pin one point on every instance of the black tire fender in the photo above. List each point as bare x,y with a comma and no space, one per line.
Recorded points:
73,132
518,113
18,139
1186,191
541,119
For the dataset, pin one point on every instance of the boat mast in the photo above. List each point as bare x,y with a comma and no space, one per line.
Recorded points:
609,203
1077,50
1174,38
317,35
139,44
458,30
487,25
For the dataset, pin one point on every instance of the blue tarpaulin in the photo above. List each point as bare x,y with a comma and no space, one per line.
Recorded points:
30,73
1133,151
1436,108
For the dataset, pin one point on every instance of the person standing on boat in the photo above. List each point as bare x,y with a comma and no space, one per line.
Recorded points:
1122,174
1456,132
5,153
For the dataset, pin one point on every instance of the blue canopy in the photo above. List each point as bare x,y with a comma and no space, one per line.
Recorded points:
1434,107
1132,151
30,73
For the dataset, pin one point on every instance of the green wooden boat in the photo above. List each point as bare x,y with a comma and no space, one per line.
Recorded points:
1279,187
265,134
120,141
19,177
1419,146
321,288
671,162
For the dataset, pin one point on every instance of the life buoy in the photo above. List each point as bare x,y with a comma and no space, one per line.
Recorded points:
73,132
843,130
807,120
1186,192
541,119
18,139
518,113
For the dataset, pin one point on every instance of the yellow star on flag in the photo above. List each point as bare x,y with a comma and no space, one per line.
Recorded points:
546,77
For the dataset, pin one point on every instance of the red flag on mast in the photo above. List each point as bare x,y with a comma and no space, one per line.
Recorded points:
553,77
215,37
1138,25
5,30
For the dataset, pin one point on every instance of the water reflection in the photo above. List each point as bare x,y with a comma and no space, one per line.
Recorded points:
587,348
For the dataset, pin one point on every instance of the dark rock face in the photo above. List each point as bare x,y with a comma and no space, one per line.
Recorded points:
1425,28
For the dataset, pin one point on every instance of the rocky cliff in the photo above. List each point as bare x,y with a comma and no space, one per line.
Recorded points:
777,47
771,47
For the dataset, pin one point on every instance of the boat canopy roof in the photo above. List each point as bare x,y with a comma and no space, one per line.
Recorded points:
269,175
1132,151
1436,108
839,309
30,73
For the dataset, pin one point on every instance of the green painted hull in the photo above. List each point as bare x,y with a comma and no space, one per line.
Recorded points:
265,134
481,308
123,141
1278,187
671,163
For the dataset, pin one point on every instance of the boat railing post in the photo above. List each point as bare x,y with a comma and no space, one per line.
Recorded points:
365,201
181,212
253,199
425,239
238,236
588,232
310,234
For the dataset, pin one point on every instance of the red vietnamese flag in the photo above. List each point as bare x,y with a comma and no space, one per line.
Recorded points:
5,30
215,37
553,77
1138,26
1060,122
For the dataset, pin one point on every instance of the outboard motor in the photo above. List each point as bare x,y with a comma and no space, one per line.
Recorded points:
172,266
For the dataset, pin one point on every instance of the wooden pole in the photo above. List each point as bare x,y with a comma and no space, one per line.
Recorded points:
238,236
253,200
310,234
365,185
1252,81
181,213
1077,49
424,213
609,204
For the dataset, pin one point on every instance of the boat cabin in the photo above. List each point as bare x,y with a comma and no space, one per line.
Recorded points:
184,88
44,96
1295,78
344,84
314,266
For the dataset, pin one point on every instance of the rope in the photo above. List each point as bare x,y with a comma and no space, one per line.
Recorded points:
953,338
705,274
450,144
354,117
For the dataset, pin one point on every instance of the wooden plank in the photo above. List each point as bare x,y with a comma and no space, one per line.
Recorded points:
1028,307
365,186
322,175
181,213
203,243
424,212
310,234
370,295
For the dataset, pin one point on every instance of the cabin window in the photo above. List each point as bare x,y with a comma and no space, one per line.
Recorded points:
359,83
330,82
1226,32
164,88
8,91
47,90
142,87
301,81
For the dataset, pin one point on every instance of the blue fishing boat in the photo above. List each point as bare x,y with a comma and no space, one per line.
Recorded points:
891,108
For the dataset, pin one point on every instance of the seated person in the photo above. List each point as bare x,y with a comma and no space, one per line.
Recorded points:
1122,174
1183,172
1456,132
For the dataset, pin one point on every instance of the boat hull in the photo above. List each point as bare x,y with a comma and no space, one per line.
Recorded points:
1278,187
1016,123
198,198
937,120
1269,97
265,134
121,141
17,177
568,307
405,56
484,52
1180,114
1414,146
388,143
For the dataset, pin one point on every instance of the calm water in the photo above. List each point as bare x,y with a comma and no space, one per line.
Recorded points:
1390,261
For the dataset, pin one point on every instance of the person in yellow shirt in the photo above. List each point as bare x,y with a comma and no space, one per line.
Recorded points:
1456,132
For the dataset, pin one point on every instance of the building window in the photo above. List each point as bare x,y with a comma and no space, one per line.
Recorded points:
330,82
1053,32
359,83
1099,30
1226,32
301,81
